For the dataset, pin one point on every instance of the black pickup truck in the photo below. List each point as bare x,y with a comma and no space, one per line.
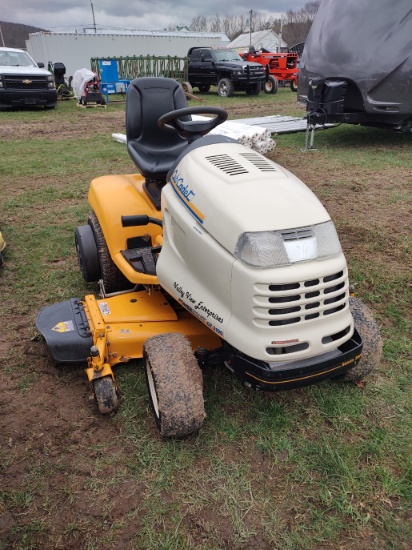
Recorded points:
226,70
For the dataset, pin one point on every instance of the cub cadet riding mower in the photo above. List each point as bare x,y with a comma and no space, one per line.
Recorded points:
211,249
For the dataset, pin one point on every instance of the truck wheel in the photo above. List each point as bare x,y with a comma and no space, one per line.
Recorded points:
113,278
271,86
175,384
87,254
367,327
204,88
254,90
105,394
225,87
294,85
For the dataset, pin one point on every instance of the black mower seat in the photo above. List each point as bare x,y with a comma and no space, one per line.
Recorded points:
152,149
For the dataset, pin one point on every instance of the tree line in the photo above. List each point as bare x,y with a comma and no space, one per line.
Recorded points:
293,26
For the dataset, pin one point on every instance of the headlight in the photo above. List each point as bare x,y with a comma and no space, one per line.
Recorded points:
281,248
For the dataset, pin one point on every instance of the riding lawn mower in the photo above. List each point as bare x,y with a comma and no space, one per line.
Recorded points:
212,255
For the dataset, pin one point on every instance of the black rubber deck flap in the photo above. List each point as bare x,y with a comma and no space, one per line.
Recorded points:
66,331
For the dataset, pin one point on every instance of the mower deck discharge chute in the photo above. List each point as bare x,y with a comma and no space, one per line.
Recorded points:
211,255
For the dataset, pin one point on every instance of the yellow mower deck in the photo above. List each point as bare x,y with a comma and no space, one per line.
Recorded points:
113,330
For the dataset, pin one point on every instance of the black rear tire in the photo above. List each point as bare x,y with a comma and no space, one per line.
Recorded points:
87,254
175,384
113,279
204,88
255,89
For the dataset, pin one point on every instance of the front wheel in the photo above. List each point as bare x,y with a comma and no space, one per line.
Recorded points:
271,86
294,85
175,384
367,327
225,88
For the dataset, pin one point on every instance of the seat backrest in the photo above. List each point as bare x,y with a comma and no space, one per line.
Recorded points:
151,148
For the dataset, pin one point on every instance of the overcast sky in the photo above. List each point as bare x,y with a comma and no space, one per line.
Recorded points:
60,15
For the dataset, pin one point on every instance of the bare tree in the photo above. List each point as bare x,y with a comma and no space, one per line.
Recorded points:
294,26
215,24
199,24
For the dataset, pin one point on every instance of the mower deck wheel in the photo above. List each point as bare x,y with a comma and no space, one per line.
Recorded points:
104,390
113,278
367,327
175,384
87,255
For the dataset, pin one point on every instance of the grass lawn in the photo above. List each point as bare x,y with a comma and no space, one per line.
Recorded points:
323,467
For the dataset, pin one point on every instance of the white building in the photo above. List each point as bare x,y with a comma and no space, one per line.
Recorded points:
268,40
75,50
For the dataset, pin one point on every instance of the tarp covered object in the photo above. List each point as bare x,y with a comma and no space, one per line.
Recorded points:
80,78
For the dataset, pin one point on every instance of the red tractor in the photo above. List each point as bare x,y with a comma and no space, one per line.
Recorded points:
283,67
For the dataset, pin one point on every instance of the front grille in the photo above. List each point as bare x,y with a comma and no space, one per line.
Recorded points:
292,303
22,82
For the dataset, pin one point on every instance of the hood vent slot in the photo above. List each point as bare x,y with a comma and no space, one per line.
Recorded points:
227,164
259,161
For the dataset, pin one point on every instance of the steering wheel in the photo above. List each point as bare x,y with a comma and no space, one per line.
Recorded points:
192,129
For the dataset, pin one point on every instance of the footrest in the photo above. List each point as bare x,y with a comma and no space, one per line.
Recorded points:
142,259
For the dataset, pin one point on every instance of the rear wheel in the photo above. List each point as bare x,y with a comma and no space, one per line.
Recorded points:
225,87
175,384
204,88
113,278
104,390
255,89
271,86
87,254
367,327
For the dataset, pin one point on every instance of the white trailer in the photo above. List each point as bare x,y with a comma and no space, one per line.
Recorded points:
75,50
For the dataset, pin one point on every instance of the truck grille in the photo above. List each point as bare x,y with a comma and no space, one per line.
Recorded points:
22,82
291,303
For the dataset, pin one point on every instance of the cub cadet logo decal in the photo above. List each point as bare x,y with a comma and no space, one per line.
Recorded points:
64,326
196,308
185,194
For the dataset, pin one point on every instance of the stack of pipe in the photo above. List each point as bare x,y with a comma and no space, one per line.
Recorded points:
255,137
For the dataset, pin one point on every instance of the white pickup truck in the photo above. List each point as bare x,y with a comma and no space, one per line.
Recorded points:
24,82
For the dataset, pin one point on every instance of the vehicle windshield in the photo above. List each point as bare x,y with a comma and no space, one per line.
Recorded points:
227,55
16,59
